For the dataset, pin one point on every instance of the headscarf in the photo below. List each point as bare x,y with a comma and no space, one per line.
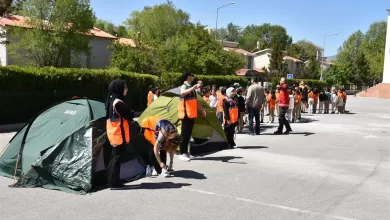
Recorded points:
115,91
229,92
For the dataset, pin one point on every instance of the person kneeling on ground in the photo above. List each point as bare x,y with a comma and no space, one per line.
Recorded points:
163,137
230,108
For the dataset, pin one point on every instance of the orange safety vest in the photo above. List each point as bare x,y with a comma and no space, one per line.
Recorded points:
188,105
315,97
150,98
118,129
149,124
272,102
233,110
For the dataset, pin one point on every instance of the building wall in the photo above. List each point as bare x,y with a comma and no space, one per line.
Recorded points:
100,55
262,60
386,69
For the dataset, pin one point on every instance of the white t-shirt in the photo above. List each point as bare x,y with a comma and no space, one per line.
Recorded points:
291,104
213,101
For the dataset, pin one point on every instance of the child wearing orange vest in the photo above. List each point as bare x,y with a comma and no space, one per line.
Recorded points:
163,137
297,106
221,96
231,113
118,117
271,105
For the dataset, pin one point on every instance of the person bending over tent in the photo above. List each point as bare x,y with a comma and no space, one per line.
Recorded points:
163,138
118,117
230,108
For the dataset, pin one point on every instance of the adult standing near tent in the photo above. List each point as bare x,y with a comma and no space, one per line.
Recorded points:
118,117
163,137
188,111
284,101
253,103
231,113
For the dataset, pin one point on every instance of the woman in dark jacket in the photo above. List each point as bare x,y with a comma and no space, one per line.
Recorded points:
119,117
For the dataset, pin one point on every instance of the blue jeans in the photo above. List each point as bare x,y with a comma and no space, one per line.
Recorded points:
220,117
252,112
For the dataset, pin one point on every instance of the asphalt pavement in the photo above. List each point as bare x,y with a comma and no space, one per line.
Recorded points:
330,167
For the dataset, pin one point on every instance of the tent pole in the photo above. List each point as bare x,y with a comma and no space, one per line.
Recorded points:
2,152
16,167
21,178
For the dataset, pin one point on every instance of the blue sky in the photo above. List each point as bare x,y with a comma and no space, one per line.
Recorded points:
305,19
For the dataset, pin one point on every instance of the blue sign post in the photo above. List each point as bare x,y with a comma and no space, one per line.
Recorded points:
290,76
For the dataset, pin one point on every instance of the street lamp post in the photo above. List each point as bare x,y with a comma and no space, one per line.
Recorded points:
216,23
323,54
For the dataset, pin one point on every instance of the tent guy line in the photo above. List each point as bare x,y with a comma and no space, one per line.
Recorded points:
292,209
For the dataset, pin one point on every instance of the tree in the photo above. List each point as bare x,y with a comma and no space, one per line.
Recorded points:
196,51
10,6
303,49
360,74
311,69
138,59
373,47
58,32
350,49
158,23
276,63
266,34
338,74
110,28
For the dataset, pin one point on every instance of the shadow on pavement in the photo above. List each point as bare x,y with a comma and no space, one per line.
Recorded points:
188,174
307,120
225,159
251,147
163,185
292,133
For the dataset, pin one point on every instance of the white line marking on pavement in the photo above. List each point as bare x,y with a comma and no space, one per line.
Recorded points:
268,204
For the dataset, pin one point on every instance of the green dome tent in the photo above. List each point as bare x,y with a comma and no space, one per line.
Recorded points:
208,135
65,148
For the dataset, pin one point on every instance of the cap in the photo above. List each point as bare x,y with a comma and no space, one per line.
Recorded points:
186,74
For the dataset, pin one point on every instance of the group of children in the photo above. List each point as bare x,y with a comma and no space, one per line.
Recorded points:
302,99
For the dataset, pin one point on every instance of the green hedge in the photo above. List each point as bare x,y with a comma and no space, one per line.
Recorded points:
170,80
25,91
310,82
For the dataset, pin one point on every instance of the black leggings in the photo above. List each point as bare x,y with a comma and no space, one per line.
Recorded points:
229,132
114,167
187,124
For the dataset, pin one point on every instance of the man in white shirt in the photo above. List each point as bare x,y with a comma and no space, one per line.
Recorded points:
213,99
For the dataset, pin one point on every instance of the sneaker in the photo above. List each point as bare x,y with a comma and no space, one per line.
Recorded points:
165,173
170,168
269,122
154,172
184,157
278,132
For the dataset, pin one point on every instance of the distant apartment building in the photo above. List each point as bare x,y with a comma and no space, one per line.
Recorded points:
263,59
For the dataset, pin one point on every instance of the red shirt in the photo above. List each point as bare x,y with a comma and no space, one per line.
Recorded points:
284,96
